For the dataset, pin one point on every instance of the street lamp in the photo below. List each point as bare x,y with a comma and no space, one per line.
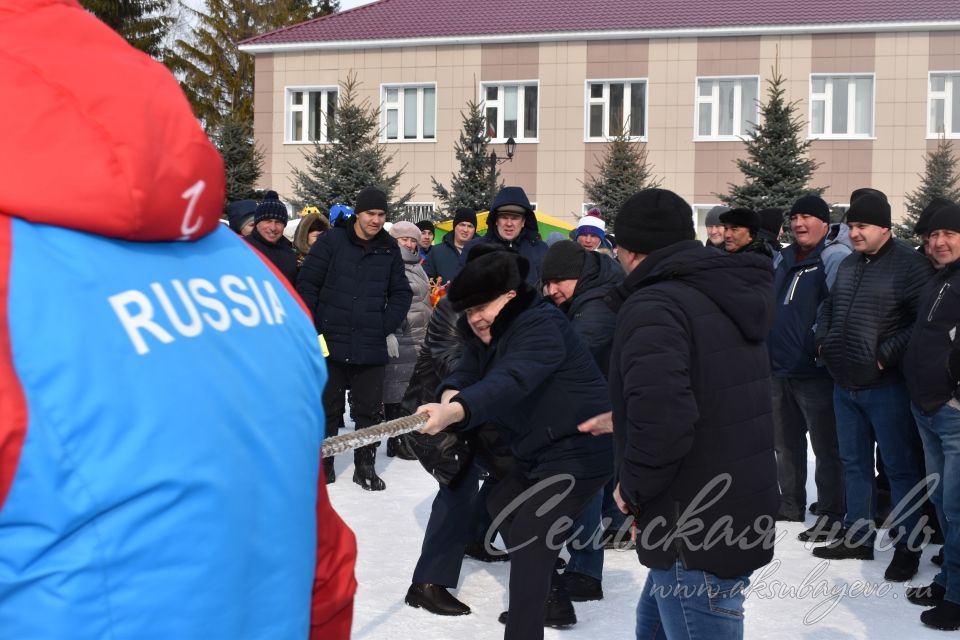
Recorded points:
511,147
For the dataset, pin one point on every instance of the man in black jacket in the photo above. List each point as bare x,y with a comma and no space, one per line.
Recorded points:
693,431
267,235
862,333
443,261
932,371
525,369
353,283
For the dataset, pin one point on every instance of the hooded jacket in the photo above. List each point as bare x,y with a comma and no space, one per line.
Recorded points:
528,243
868,317
800,287
690,389
146,490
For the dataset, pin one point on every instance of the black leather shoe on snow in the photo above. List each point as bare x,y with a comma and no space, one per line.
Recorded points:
928,596
582,588
945,616
435,599
397,447
328,470
366,476
843,549
478,551
560,611
903,566
824,529
938,559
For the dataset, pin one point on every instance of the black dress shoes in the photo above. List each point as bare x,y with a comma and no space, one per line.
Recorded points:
435,599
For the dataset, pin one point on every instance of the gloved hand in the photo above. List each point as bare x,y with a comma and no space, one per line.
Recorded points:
393,346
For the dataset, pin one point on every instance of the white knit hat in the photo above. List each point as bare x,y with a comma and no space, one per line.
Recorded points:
592,223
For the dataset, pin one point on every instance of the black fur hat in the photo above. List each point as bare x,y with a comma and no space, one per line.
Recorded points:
490,272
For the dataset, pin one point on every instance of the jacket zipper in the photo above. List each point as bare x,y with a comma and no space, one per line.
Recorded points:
796,281
936,302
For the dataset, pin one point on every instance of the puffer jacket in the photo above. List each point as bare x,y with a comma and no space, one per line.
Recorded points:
528,243
926,364
357,292
588,310
443,261
281,253
412,331
690,389
536,381
800,287
869,315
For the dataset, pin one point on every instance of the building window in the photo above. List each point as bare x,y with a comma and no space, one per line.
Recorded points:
409,113
511,111
944,111
311,112
726,108
615,106
841,106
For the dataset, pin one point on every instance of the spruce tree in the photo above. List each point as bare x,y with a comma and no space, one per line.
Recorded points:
142,23
939,180
215,75
242,159
623,170
777,170
477,182
338,170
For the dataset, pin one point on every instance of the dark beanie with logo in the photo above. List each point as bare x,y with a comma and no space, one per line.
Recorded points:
489,273
563,261
811,205
270,208
465,214
742,217
653,219
370,199
870,208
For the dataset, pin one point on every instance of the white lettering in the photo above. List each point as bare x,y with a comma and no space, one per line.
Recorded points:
229,283
143,320
260,300
275,305
189,330
199,286
192,195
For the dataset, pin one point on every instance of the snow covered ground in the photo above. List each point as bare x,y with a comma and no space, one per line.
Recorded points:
796,596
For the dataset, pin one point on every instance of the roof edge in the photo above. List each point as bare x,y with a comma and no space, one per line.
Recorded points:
687,32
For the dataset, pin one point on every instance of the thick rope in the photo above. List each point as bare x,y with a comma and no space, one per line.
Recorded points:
362,437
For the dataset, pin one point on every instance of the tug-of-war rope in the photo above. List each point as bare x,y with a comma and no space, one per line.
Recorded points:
362,437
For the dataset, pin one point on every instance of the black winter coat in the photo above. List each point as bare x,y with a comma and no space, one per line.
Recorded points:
589,312
690,389
537,381
926,364
869,315
528,243
281,253
443,260
358,293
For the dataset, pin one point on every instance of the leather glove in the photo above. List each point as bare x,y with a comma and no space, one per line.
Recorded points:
393,346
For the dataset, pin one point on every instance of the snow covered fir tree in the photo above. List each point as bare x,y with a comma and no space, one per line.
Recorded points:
622,171
939,180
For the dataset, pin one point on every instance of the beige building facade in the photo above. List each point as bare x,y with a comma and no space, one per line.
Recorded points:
873,103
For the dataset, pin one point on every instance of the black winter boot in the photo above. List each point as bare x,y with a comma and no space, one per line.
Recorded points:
927,596
844,549
397,446
560,613
364,473
903,566
945,616
328,470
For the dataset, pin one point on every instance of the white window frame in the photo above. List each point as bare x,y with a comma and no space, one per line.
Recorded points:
827,98
498,103
947,96
399,105
289,109
604,100
714,100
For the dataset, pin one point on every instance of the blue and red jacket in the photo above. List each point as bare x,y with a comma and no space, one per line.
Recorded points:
158,478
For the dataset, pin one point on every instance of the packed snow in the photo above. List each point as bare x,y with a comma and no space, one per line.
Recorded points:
796,596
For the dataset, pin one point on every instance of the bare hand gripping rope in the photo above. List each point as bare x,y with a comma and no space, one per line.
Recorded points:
362,437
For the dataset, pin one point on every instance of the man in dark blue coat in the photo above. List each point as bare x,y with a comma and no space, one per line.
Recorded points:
443,261
804,272
525,369
353,283
692,423
512,223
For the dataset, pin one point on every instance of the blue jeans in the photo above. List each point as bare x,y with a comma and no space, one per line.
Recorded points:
680,604
586,548
880,415
941,447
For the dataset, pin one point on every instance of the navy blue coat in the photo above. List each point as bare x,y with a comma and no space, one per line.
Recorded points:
537,381
443,260
690,389
528,243
357,292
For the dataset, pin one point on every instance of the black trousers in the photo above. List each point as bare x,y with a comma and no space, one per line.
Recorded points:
365,382
534,535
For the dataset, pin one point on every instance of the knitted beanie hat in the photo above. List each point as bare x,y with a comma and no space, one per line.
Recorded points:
465,214
270,208
370,199
870,209
592,223
742,218
653,219
811,205
404,229
563,261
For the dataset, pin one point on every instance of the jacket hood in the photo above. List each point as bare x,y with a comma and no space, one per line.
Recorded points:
600,273
740,284
104,139
514,196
